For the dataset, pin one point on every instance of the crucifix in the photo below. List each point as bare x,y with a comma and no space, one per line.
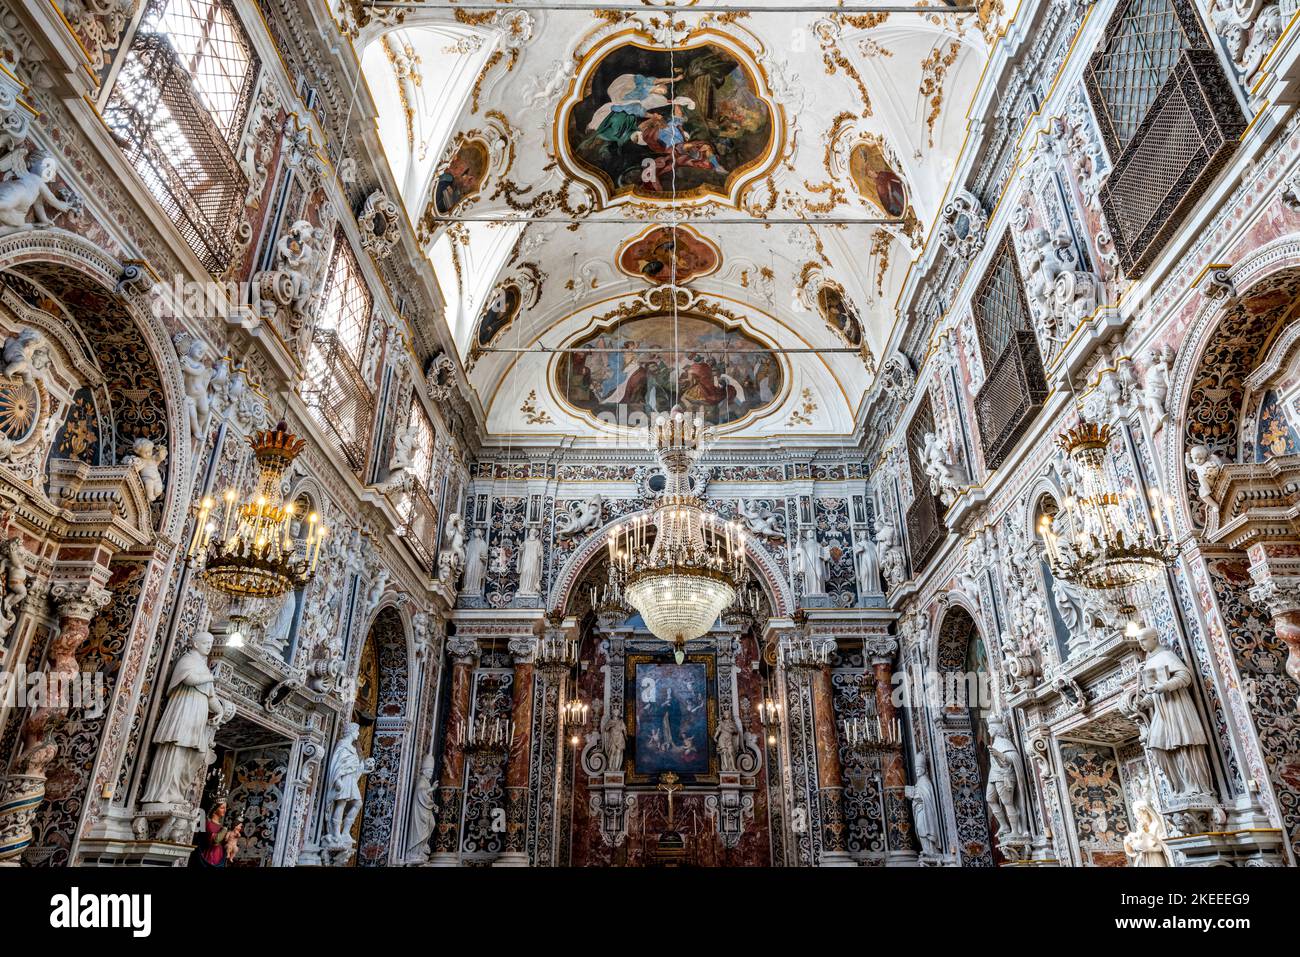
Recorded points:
670,783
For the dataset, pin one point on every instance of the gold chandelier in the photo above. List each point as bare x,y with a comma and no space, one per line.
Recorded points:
1102,546
682,576
256,556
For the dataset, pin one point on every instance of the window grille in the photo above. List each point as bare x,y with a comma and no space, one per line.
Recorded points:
347,300
1014,386
1169,117
925,528
337,395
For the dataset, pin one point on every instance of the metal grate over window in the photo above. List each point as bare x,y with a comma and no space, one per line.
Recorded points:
347,300
922,422
925,528
1145,40
339,399
178,150
999,304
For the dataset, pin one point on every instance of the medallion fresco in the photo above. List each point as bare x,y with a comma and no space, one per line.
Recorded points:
501,309
660,125
669,255
840,314
876,179
463,176
629,369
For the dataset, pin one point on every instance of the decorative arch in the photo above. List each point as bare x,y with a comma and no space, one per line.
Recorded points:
774,583
956,632
127,340
388,639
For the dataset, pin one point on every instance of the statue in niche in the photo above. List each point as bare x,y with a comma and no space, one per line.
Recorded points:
475,563
147,462
812,559
727,739
424,810
866,561
1006,791
29,193
184,737
945,478
405,445
530,565
613,741
347,767
924,808
1206,466
1175,738
1155,386
276,637
13,572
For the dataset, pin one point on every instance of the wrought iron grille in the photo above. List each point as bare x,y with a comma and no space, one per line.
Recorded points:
420,518
178,150
347,300
999,303
925,528
1010,397
213,48
338,397
1169,117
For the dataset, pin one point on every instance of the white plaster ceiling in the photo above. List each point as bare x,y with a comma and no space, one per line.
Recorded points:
505,78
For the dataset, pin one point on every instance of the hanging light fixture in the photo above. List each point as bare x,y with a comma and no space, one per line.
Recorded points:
682,575
256,556
1098,541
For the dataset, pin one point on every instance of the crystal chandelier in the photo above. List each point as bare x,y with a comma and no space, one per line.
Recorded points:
681,577
256,555
1102,545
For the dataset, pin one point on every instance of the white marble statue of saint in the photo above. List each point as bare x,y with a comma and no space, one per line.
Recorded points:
613,741
728,742
183,737
866,561
530,564
1005,793
924,809
1145,845
424,811
813,561
344,786
1175,737
475,564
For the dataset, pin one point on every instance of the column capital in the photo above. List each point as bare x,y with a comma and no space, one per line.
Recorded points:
463,651
79,600
523,649
880,651
1279,595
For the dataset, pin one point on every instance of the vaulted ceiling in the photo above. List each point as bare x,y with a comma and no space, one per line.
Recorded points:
659,174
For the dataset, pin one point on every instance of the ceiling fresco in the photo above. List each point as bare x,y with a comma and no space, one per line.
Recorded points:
573,142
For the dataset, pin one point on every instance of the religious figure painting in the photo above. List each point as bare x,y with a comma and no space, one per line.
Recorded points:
648,365
666,255
671,716
657,126
840,314
1275,435
499,311
877,180
463,176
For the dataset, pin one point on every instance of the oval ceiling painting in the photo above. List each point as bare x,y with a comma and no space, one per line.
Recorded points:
660,128
877,180
623,375
668,254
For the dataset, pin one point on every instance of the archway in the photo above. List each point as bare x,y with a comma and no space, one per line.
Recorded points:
382,710
962,663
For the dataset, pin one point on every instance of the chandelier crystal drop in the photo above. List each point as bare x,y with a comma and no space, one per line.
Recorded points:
681,567
1099,541
256,555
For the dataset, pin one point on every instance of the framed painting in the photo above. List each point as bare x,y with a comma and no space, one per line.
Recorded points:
672,716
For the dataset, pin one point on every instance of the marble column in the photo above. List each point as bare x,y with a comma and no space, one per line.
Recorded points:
898,826
23,792
830,774
515,854
464,654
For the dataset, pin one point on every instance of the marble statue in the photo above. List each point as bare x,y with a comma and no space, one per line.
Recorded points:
1175,737
197,377
892,564
813,557
945,478
424,810
453,537
1206,466
760,521
20,354
866,561
530,564
343,787
405,446
29,193
376,591
613,741
1006,792
727,739
1145,845
184,736
276,637
13,572
1155,386
147,462
579,517
924,808
475,564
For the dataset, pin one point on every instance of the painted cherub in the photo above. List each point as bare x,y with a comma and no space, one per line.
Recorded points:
147,462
